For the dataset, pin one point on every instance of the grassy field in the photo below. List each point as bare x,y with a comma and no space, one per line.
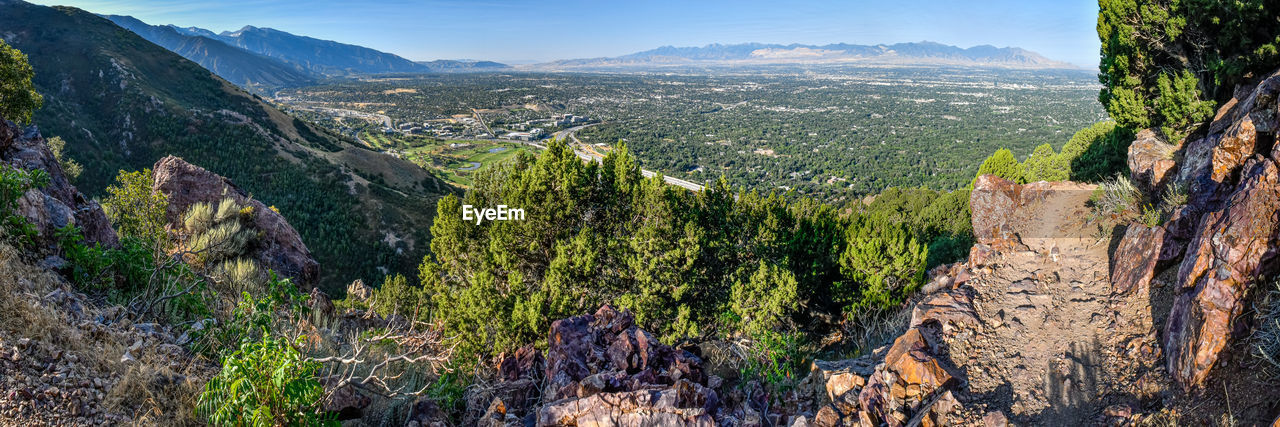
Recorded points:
453,160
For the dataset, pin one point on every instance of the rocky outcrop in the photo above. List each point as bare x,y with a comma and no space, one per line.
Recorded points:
1233,247
993,202
1232,222
603,370
600,370
280,248
1134,262
1151,162
58,204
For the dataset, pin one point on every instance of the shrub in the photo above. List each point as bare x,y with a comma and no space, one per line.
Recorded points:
264,383
18,96
1097,152
253,317
1004,165
766,301
774,357
1116,196
1045,165
70,167
14,183
396,296
883,261
135,209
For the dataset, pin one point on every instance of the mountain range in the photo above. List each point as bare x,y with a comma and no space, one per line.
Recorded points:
122,103
256,57
919,53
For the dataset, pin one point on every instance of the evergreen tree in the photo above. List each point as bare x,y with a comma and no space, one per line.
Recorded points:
18,97
1004,165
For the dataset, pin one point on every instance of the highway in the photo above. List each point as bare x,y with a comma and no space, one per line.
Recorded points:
580,149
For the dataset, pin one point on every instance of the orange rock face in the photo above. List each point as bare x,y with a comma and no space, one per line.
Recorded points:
1232,247
1135,259
1150,161
912,360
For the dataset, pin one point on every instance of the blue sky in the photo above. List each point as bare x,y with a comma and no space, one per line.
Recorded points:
526,30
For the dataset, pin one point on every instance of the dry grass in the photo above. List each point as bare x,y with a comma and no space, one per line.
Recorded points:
147,390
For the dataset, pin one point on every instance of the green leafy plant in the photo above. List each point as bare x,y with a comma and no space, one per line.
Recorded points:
265,383
775,358
1152,216
13,184
135,209
253,317
18,97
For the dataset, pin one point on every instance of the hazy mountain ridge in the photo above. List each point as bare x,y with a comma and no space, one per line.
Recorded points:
916,53
254,56
236,65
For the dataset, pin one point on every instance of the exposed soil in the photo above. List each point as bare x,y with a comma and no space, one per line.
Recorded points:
1055,346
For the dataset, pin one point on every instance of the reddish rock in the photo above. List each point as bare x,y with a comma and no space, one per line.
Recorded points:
913,361
994,202
1134,261
280,248
1151,162
684,404
1232,247
947,308
55,205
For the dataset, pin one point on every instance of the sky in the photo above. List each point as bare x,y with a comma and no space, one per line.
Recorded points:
519,31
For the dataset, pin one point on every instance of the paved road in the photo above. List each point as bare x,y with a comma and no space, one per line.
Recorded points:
578,148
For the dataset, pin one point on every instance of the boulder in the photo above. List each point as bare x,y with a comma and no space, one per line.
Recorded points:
912,359
1232,247
1134,262
55,205
1151,162
949,308
359,291
835,378
426,413
280,248
684,404
994,202
347,402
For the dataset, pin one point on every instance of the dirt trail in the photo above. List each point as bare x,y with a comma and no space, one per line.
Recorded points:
1052,340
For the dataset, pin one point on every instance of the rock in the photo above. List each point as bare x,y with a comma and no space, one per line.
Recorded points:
995,419
994,201
835,378
55,205
1134,261
685,403
1232,246
947,308
426,413
359,290
347,402
320,303
912,360
1150,162
279,248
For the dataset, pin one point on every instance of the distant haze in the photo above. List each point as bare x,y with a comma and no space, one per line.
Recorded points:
523,31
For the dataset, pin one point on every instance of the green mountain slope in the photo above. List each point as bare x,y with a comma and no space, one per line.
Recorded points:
122,102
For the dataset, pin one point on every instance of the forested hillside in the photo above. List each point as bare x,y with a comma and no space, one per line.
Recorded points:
121,103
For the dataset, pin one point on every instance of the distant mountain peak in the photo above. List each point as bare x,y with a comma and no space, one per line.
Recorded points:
914,53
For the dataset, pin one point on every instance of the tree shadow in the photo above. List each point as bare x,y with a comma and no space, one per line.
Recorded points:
1071,385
